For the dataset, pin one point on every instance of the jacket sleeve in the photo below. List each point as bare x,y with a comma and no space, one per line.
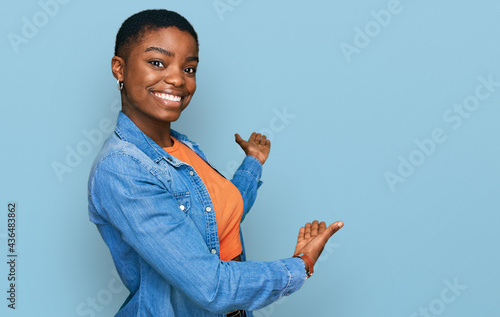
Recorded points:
137,203
247,180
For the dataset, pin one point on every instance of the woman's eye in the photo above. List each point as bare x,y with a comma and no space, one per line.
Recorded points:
157,63
190,70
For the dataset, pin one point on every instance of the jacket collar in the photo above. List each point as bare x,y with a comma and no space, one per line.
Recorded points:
129,132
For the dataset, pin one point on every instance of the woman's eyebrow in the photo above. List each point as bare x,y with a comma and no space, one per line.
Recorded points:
170,54
161,50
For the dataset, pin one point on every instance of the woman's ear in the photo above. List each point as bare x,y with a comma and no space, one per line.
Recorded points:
117,65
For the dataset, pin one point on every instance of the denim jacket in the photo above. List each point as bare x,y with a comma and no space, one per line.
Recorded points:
156,216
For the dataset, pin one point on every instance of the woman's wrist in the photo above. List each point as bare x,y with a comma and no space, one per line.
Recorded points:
308,263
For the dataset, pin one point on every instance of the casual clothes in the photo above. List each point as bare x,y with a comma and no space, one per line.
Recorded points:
157,218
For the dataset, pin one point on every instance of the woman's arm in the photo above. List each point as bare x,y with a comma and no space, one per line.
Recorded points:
247,177
247,180
138,204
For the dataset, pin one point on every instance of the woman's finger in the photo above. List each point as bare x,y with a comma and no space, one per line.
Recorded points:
252,137
258,136
314,228
307,232
238,138
322,227
301,234
263,139
334,227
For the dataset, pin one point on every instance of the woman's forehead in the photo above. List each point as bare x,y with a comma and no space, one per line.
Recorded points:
171,37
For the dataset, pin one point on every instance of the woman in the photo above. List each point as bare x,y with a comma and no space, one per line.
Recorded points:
170,220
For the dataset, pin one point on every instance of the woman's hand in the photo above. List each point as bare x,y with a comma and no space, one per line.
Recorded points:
313,237
257,146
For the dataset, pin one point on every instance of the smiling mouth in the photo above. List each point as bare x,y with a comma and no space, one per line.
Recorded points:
167,96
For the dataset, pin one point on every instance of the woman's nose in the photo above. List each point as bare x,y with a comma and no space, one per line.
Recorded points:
174,76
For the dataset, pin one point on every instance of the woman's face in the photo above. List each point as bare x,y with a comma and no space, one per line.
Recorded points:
159,76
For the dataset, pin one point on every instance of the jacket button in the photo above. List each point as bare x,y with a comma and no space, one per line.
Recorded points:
182,207
191,173
208,209
213,251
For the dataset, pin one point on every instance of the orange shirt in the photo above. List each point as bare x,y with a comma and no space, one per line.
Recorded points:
226,199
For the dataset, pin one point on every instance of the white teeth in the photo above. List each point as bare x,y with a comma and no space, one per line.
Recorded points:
167,96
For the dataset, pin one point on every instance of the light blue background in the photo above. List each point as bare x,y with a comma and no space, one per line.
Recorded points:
351,121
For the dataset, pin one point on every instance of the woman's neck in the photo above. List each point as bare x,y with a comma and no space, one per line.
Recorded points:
158,131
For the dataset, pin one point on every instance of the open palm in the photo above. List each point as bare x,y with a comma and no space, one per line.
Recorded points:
257,146
313,237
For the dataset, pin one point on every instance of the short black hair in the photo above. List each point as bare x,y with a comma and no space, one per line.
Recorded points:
134,28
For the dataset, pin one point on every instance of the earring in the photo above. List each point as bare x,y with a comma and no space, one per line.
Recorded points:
119,84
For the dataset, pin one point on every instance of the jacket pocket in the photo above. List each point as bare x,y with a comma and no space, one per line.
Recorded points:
184,200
